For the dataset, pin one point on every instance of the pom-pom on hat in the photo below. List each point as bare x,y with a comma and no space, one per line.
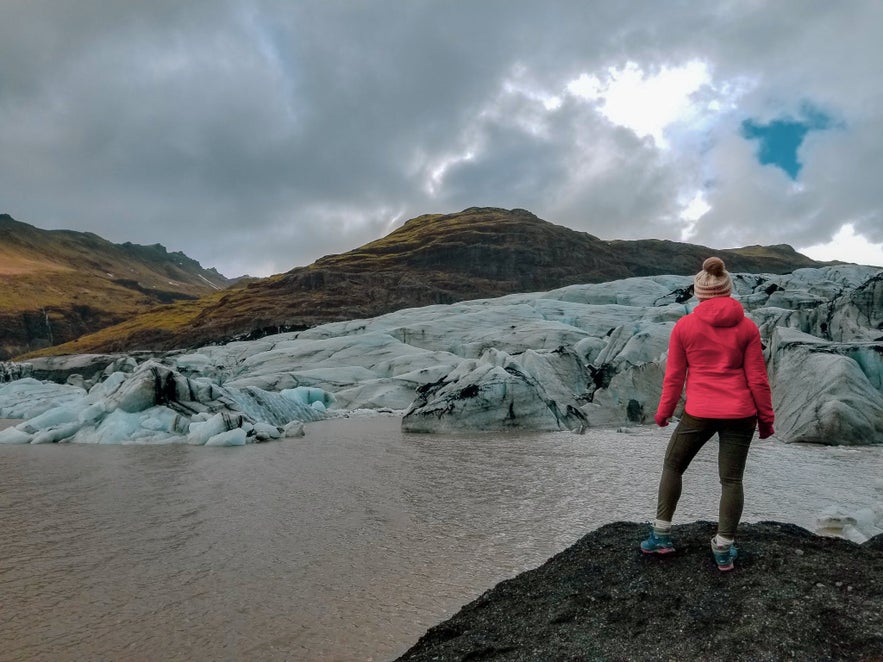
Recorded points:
713,281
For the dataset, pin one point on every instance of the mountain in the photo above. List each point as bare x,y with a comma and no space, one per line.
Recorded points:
56,285
435,258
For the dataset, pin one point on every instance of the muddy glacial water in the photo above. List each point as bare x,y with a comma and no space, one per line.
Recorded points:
346,544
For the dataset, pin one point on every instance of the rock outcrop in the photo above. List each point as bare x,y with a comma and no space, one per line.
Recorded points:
792,596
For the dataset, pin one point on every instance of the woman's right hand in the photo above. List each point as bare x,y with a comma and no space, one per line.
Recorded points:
765,430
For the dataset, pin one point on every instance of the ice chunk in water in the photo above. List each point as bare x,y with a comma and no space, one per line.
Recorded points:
236,437
265,432
56,433
118,428
274,408
201,432
14,436
294,429
51,418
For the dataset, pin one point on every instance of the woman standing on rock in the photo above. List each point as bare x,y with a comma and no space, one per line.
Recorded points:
717,350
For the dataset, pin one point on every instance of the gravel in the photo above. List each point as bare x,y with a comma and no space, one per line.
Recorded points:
793,595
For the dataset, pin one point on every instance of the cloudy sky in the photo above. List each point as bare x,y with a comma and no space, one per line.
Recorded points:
259,135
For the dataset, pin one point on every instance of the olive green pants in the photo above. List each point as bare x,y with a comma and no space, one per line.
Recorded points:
688,438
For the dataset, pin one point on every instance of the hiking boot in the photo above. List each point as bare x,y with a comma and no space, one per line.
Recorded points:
723,555
657,543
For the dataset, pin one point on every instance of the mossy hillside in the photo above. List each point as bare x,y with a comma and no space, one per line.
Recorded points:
34,250
151,329
430,259
473,240
56,285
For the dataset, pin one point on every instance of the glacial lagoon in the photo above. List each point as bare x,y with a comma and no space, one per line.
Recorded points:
345,544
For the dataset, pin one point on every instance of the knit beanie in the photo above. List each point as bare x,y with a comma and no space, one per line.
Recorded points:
713,281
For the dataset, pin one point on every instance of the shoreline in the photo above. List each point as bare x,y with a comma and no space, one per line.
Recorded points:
10,422
590,601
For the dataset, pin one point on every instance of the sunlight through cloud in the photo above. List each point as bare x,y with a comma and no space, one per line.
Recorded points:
643,102
691,212
847,246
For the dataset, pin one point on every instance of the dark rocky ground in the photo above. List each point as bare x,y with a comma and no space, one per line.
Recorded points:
792,596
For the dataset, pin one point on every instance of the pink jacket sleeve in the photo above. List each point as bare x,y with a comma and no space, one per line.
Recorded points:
675,374
758,383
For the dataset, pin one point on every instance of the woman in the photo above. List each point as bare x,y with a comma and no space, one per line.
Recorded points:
717,350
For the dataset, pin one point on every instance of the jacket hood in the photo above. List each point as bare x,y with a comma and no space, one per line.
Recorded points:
720,311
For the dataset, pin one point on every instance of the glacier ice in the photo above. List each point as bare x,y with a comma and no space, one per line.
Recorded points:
582,355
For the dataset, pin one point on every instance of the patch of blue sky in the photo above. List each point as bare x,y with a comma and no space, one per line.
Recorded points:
779,140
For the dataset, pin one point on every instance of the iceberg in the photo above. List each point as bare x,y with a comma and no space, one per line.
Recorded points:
153,404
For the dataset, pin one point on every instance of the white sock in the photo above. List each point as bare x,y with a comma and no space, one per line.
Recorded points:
720,541
661,526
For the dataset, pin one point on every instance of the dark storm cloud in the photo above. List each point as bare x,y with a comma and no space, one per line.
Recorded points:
257,136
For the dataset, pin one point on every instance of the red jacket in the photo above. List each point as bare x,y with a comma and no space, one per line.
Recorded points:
718,350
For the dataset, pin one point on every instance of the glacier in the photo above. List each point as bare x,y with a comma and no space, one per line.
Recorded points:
575,357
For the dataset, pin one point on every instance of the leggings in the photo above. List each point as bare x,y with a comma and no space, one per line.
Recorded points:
690,435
